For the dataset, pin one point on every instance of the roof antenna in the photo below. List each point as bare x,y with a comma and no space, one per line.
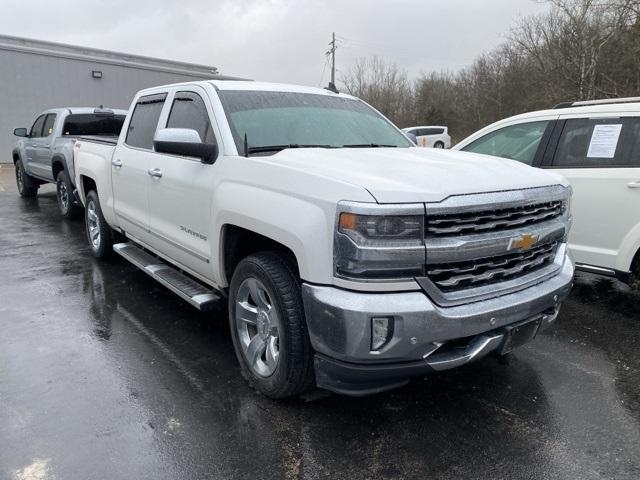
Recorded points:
332,88
246,145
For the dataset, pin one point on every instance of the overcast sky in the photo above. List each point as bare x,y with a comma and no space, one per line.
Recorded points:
276,40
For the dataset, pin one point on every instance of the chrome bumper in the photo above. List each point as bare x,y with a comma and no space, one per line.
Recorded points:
339,323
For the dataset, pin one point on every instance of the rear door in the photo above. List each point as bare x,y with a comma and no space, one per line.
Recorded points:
130,166
180,200
601,159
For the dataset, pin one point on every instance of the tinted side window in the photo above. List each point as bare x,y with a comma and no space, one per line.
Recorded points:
588,143
79,124
144,121
48,125
432,131
189,111
36,129
517,142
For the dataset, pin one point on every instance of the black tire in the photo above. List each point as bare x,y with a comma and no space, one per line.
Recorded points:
634,278
27,185
64,193
438,145
293,372
102,247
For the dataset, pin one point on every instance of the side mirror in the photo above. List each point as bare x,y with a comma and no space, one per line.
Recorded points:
412,137
185,142
21,132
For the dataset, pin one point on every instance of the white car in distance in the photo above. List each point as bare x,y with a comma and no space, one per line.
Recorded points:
430,136
595,145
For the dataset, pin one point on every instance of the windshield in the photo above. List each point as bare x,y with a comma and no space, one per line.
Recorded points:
290,119
78,124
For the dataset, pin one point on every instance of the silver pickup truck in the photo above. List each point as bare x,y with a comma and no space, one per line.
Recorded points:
44,153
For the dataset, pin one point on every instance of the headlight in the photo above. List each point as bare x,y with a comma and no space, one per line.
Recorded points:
379,242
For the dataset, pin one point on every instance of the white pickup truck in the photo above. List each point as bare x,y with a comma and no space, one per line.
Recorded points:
349,259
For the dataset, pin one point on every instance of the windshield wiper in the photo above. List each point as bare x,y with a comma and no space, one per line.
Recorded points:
277,148
368,145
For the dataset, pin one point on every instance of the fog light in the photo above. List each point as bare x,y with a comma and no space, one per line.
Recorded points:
381,331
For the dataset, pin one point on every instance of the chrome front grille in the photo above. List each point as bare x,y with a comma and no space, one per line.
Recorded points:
484,245
488,221
485,271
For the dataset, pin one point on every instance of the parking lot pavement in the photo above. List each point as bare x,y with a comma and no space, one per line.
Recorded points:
106,375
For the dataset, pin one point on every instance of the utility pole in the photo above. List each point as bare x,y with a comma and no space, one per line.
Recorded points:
333,58
332,51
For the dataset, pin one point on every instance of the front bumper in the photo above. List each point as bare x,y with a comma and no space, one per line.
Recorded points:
339,323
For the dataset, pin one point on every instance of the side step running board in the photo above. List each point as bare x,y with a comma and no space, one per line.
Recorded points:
193,292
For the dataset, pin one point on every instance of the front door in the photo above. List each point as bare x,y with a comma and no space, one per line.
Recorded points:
130,167
42,147
30,146
601,159
180,196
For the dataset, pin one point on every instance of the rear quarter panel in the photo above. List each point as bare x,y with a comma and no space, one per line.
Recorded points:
93,160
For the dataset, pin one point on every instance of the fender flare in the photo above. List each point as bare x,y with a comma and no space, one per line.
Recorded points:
16,153
57,158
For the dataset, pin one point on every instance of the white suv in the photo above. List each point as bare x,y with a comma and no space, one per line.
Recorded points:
596,146
434,136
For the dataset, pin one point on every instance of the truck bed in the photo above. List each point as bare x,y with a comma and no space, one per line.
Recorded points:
109,140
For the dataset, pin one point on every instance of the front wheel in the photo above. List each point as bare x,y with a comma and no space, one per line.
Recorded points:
99,232
268,326
27,185
64,193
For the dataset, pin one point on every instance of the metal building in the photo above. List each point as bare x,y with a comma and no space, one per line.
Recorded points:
37,75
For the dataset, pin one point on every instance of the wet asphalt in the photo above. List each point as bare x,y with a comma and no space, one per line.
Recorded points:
106,375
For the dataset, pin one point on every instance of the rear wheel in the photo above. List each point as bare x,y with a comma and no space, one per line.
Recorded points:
99,232
27,185
64,192
268,326
438,145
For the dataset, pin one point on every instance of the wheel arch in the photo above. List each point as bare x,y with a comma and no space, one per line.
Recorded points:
58,164
237,242
87,184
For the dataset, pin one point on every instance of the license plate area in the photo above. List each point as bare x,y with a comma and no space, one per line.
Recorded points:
519,334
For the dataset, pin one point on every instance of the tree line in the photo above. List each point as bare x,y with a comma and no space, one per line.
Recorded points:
577,50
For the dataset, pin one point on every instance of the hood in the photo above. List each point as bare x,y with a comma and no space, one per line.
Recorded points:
415,175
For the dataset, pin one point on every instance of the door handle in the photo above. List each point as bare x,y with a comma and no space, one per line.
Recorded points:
116,163
633,184
155,172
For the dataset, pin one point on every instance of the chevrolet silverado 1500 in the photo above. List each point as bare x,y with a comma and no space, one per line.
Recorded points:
349,259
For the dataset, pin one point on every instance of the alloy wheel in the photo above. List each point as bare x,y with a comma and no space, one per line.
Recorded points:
93,224
258,326
63,196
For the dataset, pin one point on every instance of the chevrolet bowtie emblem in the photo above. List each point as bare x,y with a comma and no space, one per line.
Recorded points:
524,242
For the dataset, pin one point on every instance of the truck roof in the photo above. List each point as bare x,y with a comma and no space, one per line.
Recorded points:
81,110
253,86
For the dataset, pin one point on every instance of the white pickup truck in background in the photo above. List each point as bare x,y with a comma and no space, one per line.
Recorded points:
349,259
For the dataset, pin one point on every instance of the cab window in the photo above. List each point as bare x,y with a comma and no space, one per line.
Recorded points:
36,129
48,124
517,142
592,143
189,111
144,121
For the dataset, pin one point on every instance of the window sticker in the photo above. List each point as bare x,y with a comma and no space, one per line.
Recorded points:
604,141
